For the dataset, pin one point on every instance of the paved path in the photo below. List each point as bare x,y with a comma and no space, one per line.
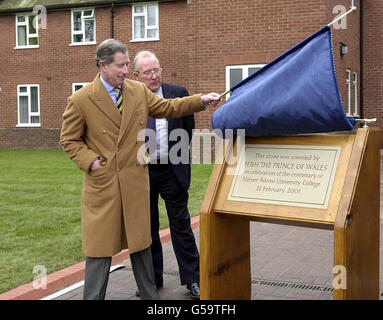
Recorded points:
288,263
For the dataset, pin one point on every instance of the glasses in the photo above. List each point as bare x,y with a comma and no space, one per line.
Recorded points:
150,73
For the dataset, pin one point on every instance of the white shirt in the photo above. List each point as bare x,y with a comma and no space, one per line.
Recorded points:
161,135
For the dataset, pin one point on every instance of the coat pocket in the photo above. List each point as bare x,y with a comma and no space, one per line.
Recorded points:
98,172
98,179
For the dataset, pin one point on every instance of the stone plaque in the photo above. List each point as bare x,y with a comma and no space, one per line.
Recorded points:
291,175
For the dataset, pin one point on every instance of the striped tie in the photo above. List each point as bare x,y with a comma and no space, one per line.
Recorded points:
118,99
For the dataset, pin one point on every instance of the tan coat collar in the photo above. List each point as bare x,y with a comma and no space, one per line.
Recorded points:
103,101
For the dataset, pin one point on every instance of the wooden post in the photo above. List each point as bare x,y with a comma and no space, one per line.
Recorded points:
225,257
357,227
224,244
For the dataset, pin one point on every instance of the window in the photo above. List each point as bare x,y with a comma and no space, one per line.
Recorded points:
26,31
145,22
28,105
83,27
235,74
348,83
352,84
78,85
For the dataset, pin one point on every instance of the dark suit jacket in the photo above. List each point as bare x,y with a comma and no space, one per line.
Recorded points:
182,171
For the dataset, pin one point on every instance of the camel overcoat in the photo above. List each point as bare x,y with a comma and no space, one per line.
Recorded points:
115,199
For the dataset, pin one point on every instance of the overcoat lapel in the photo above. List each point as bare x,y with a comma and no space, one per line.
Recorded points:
128,103
103,101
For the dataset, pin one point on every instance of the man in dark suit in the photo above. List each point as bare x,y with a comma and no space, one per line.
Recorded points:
169,174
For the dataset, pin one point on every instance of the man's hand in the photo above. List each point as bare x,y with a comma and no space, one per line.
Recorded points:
95,165
211,99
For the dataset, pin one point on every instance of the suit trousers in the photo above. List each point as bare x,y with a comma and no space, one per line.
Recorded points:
97,276
164,182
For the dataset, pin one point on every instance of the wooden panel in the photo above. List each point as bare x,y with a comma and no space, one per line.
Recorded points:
353,211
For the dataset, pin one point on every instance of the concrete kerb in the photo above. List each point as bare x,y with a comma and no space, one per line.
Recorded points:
70,275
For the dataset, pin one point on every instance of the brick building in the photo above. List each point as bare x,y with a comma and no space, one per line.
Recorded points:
205,45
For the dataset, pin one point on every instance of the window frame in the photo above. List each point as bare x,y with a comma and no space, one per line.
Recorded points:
74,84
82,31
245,72
348,92
355,85
26,23
30,113
145,15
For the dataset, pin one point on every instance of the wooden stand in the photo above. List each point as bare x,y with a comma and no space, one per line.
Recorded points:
352,212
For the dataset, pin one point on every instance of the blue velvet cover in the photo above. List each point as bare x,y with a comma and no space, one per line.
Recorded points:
295,93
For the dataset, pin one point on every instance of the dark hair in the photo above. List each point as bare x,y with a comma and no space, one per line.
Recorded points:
106,50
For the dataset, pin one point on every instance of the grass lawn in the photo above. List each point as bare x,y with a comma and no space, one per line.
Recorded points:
40,198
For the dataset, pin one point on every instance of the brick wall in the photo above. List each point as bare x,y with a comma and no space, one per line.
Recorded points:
372,60
349,34
55,65
29,138
198,39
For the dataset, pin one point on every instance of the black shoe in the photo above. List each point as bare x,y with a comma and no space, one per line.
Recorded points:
194,290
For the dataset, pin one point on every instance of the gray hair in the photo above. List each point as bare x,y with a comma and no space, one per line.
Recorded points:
143,54
106,50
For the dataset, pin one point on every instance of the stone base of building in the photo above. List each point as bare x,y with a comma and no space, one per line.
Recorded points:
30,138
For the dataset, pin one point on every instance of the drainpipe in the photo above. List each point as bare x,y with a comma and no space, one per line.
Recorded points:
361,95
112,21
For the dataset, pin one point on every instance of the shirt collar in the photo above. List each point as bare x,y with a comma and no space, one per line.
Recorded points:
107,86
159,92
